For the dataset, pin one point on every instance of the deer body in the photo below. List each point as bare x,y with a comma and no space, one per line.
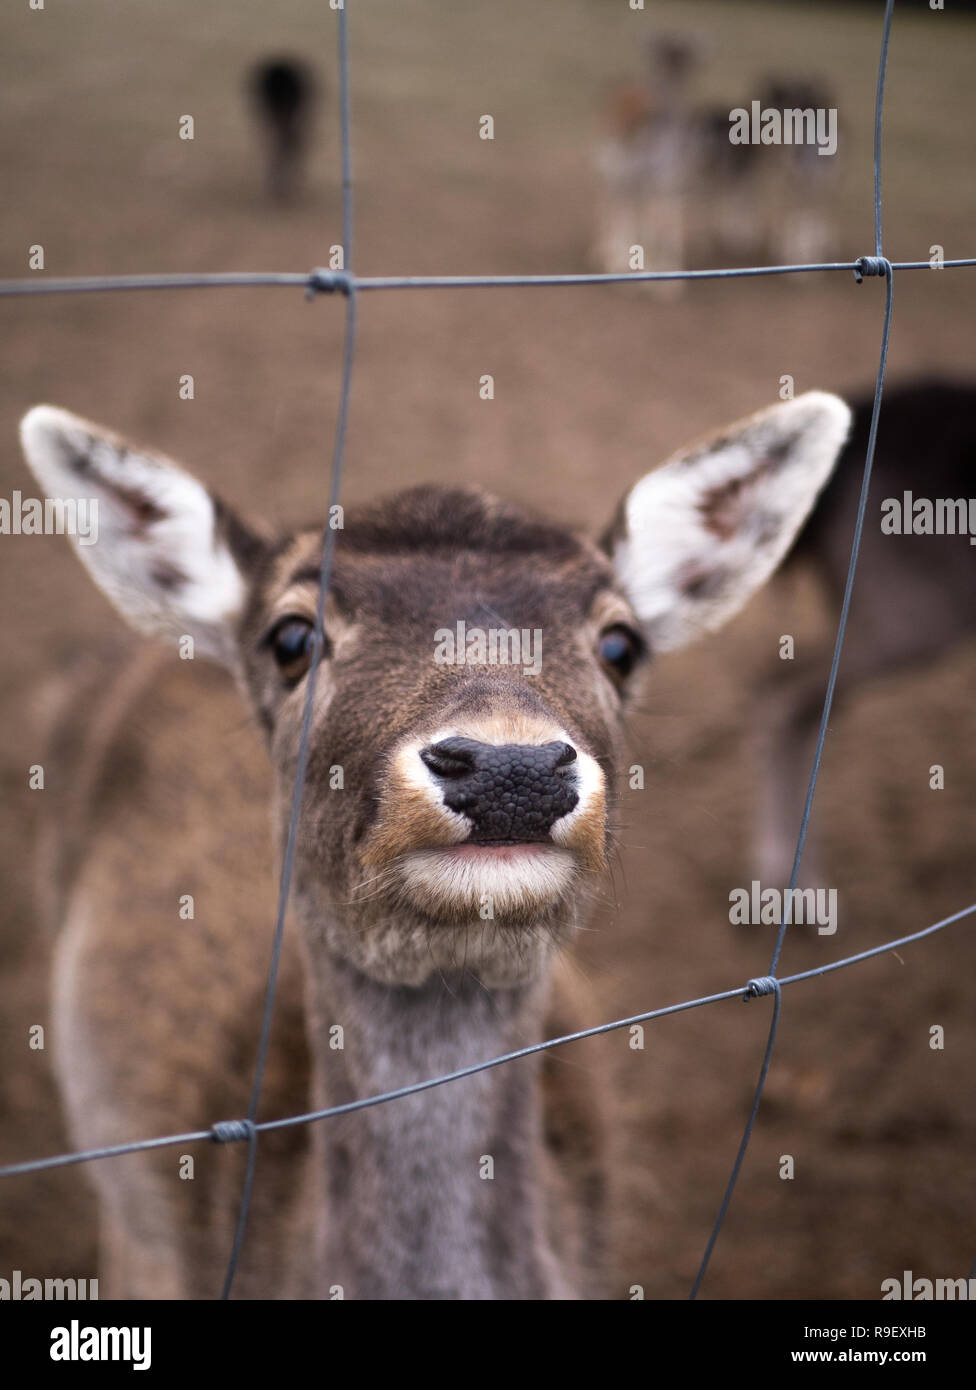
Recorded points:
906,607
188,1017
453,821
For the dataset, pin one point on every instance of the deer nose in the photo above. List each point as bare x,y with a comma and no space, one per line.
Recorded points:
509,791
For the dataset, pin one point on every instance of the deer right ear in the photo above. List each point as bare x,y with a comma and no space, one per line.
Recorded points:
695,539
168,554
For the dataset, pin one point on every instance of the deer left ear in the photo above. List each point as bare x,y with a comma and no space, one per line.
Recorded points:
695,539
172,558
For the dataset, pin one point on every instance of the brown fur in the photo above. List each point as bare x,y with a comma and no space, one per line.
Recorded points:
414,946
193,988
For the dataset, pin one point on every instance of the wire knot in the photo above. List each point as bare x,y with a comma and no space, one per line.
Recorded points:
762,984
323,281
232,1131
871,265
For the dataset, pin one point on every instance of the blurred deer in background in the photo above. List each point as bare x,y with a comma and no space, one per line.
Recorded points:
646,162
676,186
283,94
912,598
797,225
456,819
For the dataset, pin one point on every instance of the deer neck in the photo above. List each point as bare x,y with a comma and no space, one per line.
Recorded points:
436,1195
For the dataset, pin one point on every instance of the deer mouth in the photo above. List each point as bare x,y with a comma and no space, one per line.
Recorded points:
500,853
527,845
514,880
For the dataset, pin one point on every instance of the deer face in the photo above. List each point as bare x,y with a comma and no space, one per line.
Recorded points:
469,703
477,662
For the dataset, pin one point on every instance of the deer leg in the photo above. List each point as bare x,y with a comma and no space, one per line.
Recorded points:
138,1252
786,717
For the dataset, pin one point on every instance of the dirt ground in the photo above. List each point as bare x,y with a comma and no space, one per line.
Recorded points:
593,386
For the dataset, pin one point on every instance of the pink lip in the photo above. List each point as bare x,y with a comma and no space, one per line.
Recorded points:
501,852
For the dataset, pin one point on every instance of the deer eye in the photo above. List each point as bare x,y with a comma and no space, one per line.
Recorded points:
292,641
619,649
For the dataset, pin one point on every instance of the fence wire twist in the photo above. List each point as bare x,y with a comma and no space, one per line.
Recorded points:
346,283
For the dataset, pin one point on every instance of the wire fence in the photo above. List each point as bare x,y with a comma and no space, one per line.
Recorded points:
346,283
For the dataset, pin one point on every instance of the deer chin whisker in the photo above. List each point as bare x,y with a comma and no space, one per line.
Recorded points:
488,885
385,878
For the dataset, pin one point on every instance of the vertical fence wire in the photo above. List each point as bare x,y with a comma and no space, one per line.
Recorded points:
325,574
885,268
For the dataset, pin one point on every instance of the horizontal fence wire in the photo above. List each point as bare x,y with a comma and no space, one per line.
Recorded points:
225,1131
342,282
347,284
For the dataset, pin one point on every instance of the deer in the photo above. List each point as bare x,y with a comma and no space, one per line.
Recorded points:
910,602
283,93
646,164
799,220
455,827
676,185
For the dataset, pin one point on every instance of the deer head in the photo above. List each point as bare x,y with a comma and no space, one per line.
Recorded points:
477,664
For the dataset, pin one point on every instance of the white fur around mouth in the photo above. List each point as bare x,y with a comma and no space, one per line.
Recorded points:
513,878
